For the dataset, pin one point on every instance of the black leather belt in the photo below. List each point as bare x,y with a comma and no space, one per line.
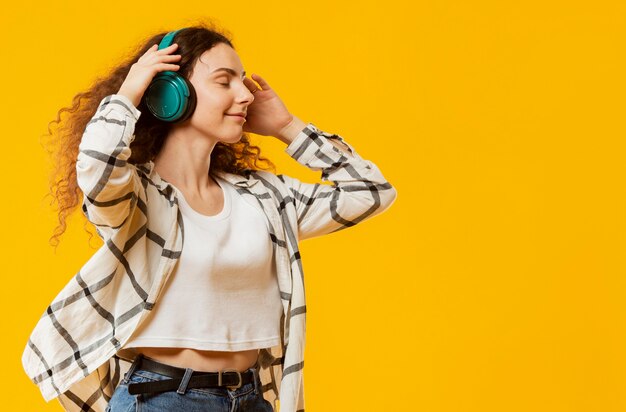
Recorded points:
230,378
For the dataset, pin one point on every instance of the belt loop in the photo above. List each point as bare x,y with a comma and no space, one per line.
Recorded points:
133,367
254,378
183,384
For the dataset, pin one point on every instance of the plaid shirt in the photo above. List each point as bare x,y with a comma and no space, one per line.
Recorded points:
72,353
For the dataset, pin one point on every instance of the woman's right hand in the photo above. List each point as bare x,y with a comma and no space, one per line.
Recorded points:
143,71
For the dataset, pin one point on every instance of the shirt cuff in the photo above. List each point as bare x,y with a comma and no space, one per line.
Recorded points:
121,102
299,140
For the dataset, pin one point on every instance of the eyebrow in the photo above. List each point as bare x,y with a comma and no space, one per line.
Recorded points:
231,71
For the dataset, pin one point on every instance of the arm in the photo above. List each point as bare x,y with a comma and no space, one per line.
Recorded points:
109,183
359,189
291,131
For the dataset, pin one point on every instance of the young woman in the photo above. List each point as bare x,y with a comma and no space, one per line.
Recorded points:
196,299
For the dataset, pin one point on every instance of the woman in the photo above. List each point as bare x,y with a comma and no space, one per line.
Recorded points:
196,299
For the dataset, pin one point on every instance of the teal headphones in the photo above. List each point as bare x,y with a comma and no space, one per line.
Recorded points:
170,97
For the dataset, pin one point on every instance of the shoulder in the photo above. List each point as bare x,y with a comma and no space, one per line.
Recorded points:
268,178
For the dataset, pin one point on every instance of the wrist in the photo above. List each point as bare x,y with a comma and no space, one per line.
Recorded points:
130,96
289,132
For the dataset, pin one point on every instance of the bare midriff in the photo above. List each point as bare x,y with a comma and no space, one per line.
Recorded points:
201,360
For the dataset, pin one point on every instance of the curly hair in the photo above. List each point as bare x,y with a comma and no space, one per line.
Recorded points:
150,133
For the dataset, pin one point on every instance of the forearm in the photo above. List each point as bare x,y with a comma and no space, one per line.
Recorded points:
110,187
289,133
135,100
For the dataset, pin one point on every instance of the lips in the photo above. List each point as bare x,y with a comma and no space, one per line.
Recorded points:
239,118
236,114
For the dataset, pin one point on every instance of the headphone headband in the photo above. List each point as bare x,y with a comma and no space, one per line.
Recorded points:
168,39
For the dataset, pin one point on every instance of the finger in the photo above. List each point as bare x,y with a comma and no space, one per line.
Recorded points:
261,81
168,49
252,86
162,58
148,52
166,66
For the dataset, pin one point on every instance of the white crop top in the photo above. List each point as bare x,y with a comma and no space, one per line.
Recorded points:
223,292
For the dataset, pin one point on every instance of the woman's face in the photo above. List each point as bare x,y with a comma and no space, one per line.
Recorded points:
219,92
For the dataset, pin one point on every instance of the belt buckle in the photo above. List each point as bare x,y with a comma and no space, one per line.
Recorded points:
219,378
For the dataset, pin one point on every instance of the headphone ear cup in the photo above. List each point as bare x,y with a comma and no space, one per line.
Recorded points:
191,104
168,97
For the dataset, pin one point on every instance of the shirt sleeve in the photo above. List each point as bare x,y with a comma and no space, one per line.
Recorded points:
109,183
359,190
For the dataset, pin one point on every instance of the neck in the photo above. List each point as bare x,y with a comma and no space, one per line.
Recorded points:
185,160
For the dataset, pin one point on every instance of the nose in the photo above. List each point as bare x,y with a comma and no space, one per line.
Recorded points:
246,96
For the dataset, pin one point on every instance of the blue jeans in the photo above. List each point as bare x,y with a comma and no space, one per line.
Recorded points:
219,399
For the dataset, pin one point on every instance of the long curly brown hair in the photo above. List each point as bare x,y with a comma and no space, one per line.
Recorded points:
150,133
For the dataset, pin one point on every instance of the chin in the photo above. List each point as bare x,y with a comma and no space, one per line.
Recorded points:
234,139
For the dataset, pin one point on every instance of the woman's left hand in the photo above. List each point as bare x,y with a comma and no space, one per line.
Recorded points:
266,115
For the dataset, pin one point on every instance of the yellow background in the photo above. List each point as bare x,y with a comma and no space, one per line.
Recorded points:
494,283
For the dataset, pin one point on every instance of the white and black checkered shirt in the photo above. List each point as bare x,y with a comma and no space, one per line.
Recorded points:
72,351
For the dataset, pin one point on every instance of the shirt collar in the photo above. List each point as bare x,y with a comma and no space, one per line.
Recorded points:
235,179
